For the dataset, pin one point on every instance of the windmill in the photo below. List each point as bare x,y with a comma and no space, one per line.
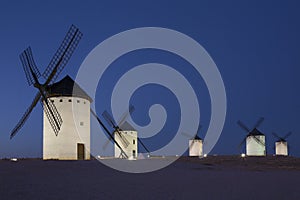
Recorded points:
255,140
122,152
125,134
73,105
52,71
281,145
195,144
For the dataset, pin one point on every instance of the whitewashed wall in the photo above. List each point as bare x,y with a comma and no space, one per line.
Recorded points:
253,148
131,136
195,148
64,146
281,148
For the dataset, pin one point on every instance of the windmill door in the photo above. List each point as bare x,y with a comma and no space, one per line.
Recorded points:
80,151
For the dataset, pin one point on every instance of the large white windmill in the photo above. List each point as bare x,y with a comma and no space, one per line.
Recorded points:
73,141
281,145
255,140
52,117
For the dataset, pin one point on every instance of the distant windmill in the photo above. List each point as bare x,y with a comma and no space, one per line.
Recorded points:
54,68
195,144
124,134
255,140
281,145
122,152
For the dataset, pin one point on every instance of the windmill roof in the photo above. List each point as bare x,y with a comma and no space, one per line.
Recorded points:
127,127
67,87
281,140
255,132
197,138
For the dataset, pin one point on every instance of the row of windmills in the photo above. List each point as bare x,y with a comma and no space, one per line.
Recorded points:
254,141
68,138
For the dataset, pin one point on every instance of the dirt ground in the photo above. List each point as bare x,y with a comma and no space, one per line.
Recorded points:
214,177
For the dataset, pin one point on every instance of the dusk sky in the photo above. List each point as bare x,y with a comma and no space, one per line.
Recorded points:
255,45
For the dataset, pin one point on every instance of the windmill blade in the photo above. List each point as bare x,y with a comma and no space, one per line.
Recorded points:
199,128
258,123
258,141
106,143
140,141
287,135
107,131
243,126
277,136
62,55
25,116
29,66
243,142
52,114
125,115
188,135
124,141
109,119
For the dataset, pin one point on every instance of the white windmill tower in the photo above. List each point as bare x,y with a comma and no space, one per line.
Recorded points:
255,140
125,137
73,141
126,140
52,117
281,145
195,144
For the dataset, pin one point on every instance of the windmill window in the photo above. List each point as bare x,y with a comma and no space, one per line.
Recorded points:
84,102
81,123
52,100
133,142
78,101
60,100
70,100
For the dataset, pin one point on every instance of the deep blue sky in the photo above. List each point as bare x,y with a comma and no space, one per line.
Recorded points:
255,45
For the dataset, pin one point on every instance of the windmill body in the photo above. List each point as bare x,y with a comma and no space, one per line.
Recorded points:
281,148
131,147
73,141
127,138
255,140
196,147
52,117
255,144
281,145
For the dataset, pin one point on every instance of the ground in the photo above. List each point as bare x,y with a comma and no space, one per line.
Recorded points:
215,177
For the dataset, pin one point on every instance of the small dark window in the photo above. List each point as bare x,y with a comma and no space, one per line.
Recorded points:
70,100
81,123
133,142
84,102
78,101
60,100
52,100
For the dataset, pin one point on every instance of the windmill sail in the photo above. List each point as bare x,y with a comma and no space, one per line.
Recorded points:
62,55
25,116
29,66
56,65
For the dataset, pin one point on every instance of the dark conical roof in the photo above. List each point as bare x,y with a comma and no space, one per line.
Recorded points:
67,87
255,131
281,140
197,138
